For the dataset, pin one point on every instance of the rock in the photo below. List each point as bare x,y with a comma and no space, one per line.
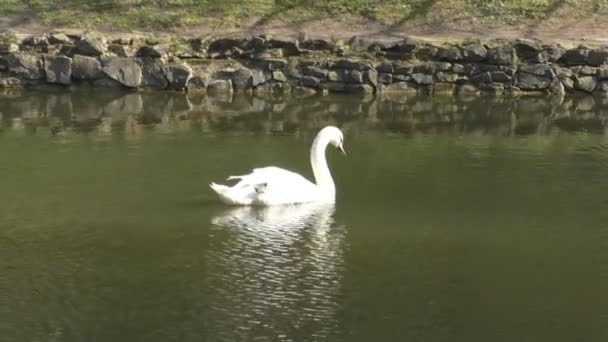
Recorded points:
289,45
272,87
467,90
59,38
242,79
355,76
227,44
123,70
120,50
337,75
385,67
385,78
279,76
597,57
585,83
562,72
602,87
67,50
404,69
602,74
500,77
315,71
426,53
272,64
537,69
333,86
91,45
482,78
527,49
401,78
474,52
352,64
219,86
318,44
568,84
58,69
153,73
8,48
301,91
197,82
36,41
587,71
260,77
444,88
107,82
528,81
451,54
575,56
29,67
371,76
534,76
359,89
200,44
550,53
502,55
397,88
422,79
446,77
177,75
557,87
395,48
310,81
122,41
359,43
10,82
154,51
86,68
459,69
493,88
440,66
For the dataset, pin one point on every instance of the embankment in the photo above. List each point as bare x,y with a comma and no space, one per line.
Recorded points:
302,65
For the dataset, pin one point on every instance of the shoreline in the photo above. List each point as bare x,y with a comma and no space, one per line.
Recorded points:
300,65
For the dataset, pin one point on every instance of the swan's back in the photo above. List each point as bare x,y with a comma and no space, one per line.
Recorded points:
268,186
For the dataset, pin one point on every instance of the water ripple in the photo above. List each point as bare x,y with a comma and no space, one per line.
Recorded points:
275,273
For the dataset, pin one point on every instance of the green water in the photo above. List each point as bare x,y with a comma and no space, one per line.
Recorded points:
488,223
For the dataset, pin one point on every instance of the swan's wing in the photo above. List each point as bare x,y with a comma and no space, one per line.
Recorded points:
275,185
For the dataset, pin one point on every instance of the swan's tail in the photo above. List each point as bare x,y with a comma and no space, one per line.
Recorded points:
223,192
218,188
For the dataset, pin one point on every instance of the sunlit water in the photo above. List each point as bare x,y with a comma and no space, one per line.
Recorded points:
456,220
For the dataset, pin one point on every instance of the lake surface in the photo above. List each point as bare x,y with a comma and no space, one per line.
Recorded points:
478,219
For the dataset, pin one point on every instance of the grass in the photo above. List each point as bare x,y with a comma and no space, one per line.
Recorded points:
167,14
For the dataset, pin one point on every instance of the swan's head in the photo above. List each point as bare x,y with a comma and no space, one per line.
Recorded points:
335,137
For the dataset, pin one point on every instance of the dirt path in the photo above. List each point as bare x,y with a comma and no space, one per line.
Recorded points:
560,26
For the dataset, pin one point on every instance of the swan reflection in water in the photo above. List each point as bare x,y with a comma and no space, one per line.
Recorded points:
275,273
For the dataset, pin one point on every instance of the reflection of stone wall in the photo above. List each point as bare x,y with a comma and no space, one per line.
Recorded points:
302,65
130,113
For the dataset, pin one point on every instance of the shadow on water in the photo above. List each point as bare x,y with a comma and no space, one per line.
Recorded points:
130,114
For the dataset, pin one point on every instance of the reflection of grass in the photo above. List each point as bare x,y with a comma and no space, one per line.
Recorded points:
165,14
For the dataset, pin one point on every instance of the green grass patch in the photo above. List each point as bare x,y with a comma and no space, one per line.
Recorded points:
166,14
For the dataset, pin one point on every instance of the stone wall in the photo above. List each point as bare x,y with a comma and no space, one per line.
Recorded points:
302,66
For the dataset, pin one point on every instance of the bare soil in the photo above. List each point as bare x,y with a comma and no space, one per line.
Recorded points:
560,26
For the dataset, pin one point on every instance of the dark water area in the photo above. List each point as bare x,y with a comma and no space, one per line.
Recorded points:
457,219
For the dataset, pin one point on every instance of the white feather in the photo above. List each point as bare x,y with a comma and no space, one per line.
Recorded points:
273,185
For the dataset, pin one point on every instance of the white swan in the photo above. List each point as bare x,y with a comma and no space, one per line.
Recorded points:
274,186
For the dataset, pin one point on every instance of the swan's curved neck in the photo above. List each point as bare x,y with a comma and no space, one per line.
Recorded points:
319,166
